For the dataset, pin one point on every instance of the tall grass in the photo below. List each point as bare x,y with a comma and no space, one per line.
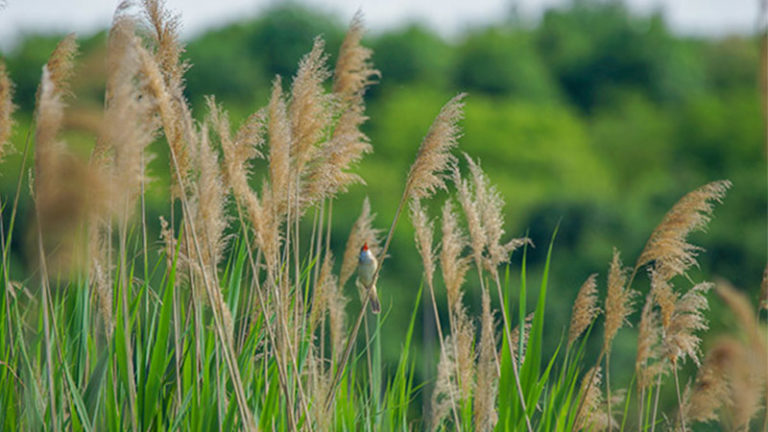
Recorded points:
237,319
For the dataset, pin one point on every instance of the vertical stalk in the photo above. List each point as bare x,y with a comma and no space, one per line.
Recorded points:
515,370
679,399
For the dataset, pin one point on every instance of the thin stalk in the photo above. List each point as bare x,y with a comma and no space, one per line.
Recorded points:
126,324
515,372
679,398
282,374
589,386
356,329
46,330
6,281
608,385
6,245
234,370
656,403
430,284
641,408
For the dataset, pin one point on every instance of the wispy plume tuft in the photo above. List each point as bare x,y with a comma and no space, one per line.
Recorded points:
618,301
310,112
585,309
454,267
668,245
427,174
6,109
352,75
424,231
649,349
680,338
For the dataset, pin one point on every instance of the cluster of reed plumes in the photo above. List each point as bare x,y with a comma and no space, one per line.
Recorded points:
241,323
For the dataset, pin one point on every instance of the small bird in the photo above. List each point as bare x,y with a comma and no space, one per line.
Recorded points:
366,269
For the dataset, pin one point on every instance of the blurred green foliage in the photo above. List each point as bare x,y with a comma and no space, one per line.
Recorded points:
594,118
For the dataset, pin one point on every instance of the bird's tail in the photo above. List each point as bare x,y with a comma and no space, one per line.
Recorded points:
375,305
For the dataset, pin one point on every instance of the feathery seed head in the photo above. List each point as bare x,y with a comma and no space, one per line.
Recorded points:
454,267
434,156
667,245
585,309
680,338
618,301
424,229
6,109
647,364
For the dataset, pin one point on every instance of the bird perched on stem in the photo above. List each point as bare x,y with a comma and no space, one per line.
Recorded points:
366,269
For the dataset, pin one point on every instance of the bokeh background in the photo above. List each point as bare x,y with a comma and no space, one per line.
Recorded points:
594,115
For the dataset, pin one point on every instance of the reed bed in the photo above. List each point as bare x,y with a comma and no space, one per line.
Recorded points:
238,318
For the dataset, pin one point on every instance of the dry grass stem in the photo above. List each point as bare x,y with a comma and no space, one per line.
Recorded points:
585,309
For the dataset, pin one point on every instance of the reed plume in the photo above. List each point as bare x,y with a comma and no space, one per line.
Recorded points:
618,301
423,236
446,387
427,172
352,75
310,114
680,339
470,206
6,110
164,26
454,267
280,160
764,291
649,348
490,205
751,381
238,152
208,204
591,416
712,389
585,309
165,70
129,123
667,245
66,190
